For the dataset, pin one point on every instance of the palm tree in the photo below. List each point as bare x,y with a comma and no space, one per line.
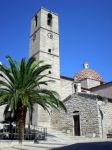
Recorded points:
21,87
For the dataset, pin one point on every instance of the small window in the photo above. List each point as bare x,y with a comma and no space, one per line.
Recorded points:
49,19
35,21
34,37
49,72
49,50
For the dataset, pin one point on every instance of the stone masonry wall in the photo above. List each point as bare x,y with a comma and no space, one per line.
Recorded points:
88,83
107,117
66,88
87,107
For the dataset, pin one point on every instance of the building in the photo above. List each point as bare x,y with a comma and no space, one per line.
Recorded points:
87,98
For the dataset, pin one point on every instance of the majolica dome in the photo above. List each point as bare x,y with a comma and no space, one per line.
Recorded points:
87,73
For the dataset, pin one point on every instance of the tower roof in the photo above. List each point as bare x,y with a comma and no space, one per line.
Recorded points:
87,73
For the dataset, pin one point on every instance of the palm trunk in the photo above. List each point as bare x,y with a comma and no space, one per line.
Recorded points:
20,122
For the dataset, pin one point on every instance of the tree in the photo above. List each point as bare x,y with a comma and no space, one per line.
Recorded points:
21,86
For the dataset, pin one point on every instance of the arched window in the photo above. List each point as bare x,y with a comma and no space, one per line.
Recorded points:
49,50
75,88
49,19
49,72
35,21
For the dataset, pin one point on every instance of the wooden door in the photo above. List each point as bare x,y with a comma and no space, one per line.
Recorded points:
76,125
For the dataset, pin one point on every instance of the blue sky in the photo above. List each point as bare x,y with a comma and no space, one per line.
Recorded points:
85,32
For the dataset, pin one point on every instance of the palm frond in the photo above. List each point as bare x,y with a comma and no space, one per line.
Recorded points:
13,67
23,83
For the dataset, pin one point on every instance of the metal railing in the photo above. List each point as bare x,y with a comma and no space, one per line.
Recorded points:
10,133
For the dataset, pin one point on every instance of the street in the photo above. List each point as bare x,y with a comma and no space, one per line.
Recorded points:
88,146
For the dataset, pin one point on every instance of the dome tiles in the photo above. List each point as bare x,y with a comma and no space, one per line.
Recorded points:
87,73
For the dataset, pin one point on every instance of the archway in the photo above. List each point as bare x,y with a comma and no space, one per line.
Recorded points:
76,121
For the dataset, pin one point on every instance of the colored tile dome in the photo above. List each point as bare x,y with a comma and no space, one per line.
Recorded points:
87,73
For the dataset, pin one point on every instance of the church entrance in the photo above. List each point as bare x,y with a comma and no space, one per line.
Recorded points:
76,119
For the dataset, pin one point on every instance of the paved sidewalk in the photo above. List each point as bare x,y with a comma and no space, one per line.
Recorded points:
76,146
55,139
34,146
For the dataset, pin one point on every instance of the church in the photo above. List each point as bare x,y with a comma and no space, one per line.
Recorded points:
87,97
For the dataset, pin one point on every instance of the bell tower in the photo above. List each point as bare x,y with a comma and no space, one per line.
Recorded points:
44,45
44,40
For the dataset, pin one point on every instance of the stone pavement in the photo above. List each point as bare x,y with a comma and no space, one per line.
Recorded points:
77,146
55,139
33,146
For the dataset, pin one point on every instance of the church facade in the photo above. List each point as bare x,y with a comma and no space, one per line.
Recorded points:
87,98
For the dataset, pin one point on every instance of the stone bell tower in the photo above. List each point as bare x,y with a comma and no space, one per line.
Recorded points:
44,45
